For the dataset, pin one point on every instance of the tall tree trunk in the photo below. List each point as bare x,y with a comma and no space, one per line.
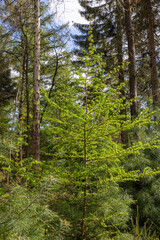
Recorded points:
36,87
83,224
27,100
132,58
21,103
25,39
119,42
151,43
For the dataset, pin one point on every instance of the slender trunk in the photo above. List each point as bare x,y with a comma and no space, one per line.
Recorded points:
27,101
151,43
36,87
132,58
83,224
21,107
16,100
21,102
123,134
26,78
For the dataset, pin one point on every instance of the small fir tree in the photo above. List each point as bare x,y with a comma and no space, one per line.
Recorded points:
83,122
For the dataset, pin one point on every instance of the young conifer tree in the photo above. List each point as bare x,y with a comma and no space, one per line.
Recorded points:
84,122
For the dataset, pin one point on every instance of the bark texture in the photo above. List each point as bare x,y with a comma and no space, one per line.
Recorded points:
132,58
36,86
151,43
119,41
21,104
27,102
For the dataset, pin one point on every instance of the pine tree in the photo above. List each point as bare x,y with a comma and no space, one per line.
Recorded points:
36,88
20,54
132,57
106,29
145,9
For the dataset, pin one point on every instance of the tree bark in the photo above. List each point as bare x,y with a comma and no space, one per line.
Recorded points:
151,44
25,39
21,103
132,58
119,41
27,101
36,86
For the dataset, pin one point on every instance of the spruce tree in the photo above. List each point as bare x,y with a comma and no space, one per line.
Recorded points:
147,23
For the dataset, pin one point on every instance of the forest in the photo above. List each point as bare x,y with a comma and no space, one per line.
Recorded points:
80,127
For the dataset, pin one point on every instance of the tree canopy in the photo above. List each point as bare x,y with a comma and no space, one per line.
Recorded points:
79,130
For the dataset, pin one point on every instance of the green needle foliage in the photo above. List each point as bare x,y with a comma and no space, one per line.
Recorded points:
83,123
26,215
76,192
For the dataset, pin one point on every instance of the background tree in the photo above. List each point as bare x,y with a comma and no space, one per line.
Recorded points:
36,85
148,20
132,57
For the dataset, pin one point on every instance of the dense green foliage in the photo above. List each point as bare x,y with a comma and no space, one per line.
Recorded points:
89,183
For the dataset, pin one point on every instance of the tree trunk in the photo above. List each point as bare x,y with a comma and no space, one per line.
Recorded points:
27,101
151,43
25,39
36,87
119,42
132,58
83,224
21,103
